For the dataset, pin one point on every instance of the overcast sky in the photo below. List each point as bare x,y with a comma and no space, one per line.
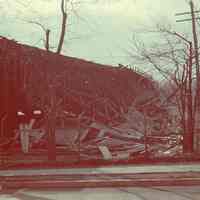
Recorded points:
100,31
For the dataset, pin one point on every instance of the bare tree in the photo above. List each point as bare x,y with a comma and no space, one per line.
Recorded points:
172,57
66,8
64,23
47,34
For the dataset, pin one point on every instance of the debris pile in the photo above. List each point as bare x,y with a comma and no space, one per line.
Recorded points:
135,136
129,139
121,116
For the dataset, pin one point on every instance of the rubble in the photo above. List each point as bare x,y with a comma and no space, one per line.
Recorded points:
122,141
127,140
105,152
121,111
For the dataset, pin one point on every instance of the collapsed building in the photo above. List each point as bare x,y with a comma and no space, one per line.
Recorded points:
68,92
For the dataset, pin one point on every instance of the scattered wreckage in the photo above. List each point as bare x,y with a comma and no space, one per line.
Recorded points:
113,117
97,141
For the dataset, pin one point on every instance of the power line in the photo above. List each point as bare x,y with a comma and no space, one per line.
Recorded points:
184,20
185,13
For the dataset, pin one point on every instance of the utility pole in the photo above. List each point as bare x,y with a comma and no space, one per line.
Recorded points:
195,39
191,107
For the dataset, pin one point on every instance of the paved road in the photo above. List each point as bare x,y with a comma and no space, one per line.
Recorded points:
159,175
129,193
126,176
107,170
100,180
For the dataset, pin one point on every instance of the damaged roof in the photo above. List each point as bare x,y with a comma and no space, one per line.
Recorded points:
33,77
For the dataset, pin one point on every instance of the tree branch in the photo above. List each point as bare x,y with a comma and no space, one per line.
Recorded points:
63,28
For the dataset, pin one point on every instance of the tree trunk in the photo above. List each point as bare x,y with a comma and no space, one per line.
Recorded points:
63,28
51,141
188,142
47,39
